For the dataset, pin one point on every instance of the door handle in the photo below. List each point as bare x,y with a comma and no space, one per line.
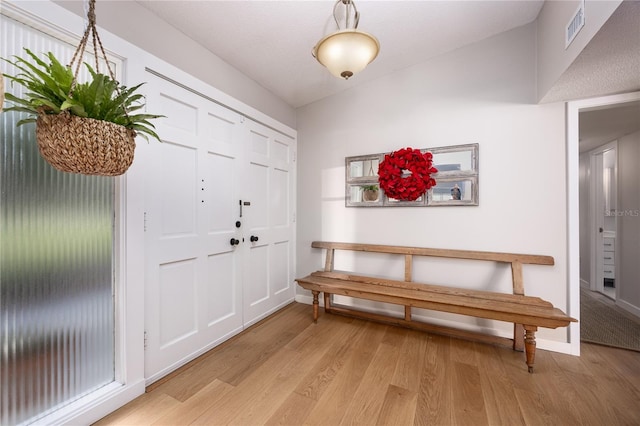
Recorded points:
246,203
234,242
600,229
253,239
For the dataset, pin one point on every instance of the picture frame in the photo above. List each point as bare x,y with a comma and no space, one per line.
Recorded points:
456,179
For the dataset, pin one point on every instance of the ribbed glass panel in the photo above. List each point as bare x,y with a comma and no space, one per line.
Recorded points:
56,265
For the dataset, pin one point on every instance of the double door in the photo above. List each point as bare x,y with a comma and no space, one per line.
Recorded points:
219,235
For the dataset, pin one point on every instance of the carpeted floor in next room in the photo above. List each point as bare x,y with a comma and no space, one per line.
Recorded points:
604,323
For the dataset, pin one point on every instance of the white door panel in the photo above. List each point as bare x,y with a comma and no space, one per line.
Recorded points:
214,171
268,276
193,273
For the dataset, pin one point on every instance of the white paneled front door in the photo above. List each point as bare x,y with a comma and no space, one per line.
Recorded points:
268,283
215,181
193,282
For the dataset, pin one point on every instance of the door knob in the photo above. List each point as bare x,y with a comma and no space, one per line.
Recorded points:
253,239
234,242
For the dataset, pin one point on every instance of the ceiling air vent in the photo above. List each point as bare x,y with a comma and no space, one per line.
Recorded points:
575,25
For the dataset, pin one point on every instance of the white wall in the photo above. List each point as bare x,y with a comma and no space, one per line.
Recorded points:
553,58
629,221
136,24
483,93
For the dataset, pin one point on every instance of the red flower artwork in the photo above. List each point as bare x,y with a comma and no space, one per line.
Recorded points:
406,174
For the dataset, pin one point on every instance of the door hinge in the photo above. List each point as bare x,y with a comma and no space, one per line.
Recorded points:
145,222
145,339
295,156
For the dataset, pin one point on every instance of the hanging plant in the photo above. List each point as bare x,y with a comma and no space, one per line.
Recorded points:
406,174
87,128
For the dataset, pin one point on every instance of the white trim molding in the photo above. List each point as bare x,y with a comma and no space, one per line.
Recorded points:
573,110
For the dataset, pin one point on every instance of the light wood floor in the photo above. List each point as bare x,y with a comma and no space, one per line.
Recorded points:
286,370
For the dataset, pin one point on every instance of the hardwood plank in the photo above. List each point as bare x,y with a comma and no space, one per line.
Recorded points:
614,388
366,402
320,376
463,351
315,335
293,411
435,404
261,404
196,377
188,411
265,343
554,381
468,398
249,391
348,363
398,407
410,362
583,394
225,358
266,385
535,408
331,407
628,365
501,404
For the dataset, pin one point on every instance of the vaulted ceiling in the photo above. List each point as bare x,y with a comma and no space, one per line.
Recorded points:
271,41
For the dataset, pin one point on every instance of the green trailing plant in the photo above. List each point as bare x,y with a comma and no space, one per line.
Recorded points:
370,187
51,89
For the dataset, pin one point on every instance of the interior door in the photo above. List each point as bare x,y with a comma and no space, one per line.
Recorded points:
193,272
269,222
604,163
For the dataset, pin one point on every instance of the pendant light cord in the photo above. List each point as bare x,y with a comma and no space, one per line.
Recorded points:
349,4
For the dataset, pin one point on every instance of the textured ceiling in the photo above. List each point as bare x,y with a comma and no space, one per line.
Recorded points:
609,64
271,41
603,125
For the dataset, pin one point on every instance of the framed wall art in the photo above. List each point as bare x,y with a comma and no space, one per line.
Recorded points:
456,179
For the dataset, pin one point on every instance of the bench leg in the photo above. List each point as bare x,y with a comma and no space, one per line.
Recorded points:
530,345
315,293
518,337
327,301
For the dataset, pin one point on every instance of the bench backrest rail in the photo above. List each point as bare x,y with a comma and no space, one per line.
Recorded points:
516,260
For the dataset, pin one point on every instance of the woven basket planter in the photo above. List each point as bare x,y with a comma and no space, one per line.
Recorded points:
85,145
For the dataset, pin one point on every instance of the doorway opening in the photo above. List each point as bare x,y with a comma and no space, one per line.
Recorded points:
592,126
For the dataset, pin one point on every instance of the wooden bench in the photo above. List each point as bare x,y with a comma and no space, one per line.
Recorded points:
527,313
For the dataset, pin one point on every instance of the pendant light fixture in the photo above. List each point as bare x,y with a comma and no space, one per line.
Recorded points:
347,51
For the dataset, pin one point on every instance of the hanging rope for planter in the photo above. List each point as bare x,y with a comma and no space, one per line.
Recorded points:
86,145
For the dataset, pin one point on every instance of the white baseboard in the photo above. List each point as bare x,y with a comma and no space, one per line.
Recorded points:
307,300
628,307
95,406
584,284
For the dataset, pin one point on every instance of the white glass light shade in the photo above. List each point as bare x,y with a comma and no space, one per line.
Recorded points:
346,52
